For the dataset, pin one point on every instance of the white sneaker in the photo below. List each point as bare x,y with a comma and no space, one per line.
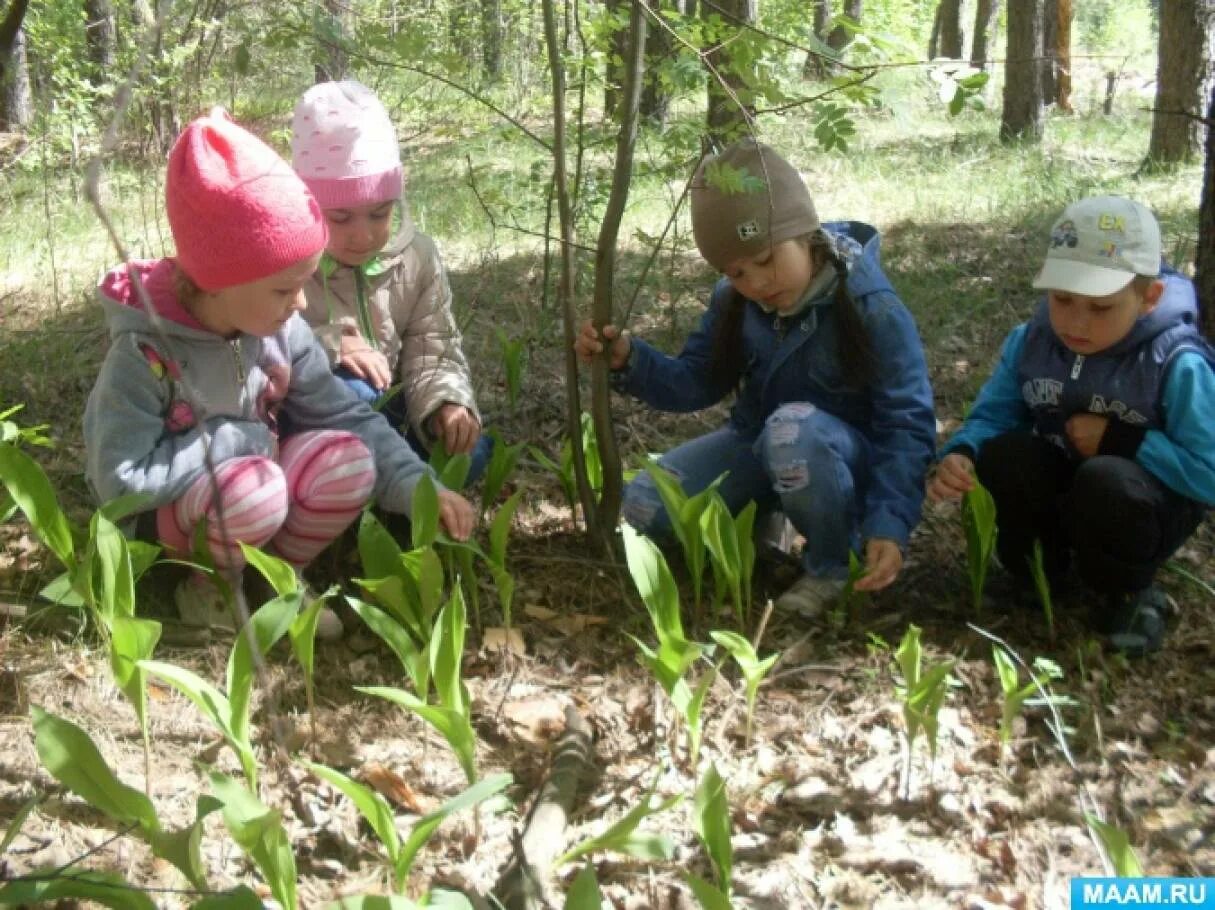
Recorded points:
810,597
200,602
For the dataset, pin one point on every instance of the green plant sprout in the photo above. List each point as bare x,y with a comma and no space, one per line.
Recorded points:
502,462
712,816
101,580
1117,847
1015,695
452,716
512,365
73,759
564,472
584,893
12,433
922,694
499,536
379,815
731,545
849,598
675,654
229,713
752,668
259,832
623,836
1037,569
979,522
685,514
302,633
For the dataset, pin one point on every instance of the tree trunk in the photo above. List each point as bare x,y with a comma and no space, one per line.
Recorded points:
840,37
1063,58
16,103
613,71
934,39
1205,260
815,66
491,40
985,15
655,95
950,33
100,35
1050,31
1182,70
730,106
15,106
333,62
1021,118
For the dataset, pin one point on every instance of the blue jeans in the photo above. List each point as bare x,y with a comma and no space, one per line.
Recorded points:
806,463
394,410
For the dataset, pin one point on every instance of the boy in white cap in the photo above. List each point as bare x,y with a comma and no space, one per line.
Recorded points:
1096,433
380,302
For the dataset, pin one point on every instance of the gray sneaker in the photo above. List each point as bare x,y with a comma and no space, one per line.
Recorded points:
200,603
810,597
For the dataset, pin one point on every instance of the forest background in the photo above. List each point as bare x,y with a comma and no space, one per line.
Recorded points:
960,129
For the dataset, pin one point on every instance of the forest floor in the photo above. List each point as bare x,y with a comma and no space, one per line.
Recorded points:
826,811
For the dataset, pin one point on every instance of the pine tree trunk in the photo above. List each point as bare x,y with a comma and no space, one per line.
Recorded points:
16,102
934,39
99,32
729,106
655,96
491,40
1182,70
1063,58
840,37
1205,278
333,63
950,36
815,66
1021,118
613,75
985,15
1050,29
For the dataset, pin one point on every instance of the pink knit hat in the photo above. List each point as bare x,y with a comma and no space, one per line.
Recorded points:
344,146
237,211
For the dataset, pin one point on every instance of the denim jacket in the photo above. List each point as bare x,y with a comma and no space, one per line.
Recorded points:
793,359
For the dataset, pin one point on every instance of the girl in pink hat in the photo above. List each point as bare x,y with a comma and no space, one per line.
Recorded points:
187,407
380,301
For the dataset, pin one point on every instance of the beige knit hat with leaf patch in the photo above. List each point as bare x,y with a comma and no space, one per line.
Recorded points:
746,200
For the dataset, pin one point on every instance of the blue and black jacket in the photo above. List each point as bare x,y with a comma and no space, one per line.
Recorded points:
794,359
1157,386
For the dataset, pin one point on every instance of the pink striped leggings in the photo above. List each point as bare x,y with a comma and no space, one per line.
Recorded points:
297,506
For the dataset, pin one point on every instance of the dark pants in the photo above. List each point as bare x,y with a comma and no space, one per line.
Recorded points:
1119,521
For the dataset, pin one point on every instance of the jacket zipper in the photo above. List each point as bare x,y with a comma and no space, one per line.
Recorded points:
1077,366
234,344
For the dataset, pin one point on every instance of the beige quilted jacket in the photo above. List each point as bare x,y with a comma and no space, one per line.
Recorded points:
408,307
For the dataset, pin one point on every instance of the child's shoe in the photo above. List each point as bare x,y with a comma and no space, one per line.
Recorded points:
258,591
809,597
775,537
1135,622
200,602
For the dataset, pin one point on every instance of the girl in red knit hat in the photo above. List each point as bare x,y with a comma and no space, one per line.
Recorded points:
203,364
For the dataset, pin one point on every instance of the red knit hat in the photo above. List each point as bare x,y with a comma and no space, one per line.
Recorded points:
237,211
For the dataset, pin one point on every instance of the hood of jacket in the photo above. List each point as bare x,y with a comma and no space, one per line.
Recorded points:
124,308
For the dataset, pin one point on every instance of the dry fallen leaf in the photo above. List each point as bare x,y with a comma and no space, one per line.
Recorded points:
537,718
499,639
394,788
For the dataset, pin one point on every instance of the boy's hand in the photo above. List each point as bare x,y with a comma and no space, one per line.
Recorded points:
1084,432
456,515
457,426
954,477
365,362
883,562
589,343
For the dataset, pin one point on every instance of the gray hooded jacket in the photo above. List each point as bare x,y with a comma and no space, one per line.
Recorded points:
162,397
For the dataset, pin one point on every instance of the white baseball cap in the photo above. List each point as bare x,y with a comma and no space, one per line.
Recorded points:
1098,245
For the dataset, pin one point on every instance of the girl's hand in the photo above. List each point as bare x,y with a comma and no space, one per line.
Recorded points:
954,477
883,562
457,426
1084,432
456,515
365,362
589,343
